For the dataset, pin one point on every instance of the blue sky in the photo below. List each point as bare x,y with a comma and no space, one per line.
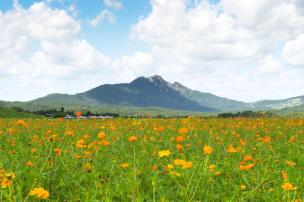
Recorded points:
245,50
110,38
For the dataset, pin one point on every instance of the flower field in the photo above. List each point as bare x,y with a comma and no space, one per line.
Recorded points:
194,159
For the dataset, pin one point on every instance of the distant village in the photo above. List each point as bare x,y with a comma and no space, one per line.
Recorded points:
87,117
54,113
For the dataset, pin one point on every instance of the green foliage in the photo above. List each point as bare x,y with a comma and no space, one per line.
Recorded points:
17,113
248,114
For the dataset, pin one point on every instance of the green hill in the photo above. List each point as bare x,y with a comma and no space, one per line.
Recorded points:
13,113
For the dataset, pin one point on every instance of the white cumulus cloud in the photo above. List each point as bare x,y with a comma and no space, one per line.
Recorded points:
104,15
232,48
115,4
293,52
41,52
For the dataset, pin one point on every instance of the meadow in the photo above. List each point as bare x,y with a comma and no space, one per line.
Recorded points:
192,159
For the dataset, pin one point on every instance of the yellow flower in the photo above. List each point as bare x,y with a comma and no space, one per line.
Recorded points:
40,193
164,153
175,173
212,167
287,186
183,163
169,167
208,149
217,173
81,143
243,187
178,162
87,167
232,149
187,165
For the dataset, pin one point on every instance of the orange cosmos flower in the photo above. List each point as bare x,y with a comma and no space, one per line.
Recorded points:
183,131
179,139
5,182
208,149
292,139
57,151
178,162
246,167
290,163
154,168
179,147
29,164
69,133
124,165
187,165
287,186
81,143
247,158
34,150
39,193
243,142
265,139
104,143
284,175
101,135
132,139
232,149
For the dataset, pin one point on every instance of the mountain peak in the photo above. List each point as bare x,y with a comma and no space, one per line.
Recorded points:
152,79
156,78
180,88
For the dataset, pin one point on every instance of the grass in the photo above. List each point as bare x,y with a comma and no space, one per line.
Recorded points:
152,159
12,113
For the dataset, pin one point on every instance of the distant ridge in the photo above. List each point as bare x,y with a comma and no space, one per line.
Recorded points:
156,92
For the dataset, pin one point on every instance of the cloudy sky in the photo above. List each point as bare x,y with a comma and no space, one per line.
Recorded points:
246,50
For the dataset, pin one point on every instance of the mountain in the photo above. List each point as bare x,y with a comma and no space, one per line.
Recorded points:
144,92
2,103
210,100
156,94
294,102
